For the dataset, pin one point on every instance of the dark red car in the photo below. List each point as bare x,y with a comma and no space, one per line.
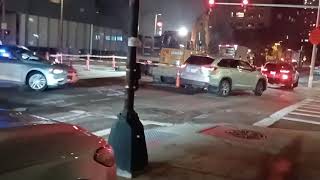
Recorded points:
283,74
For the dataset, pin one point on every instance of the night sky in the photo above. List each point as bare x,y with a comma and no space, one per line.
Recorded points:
175,13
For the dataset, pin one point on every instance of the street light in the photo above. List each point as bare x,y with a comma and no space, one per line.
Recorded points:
183,32
155,23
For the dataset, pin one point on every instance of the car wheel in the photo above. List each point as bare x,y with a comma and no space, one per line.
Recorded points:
296,84
224,88
259,88
37,81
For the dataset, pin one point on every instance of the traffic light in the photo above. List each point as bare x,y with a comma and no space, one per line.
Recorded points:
245,2
211,3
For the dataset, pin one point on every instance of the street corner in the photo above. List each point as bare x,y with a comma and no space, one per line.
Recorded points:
220,150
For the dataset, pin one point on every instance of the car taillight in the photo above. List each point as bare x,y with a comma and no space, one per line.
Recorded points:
264,69
284,71
285,77
208,68
105,156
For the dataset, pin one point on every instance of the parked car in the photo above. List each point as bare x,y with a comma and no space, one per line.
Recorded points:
36,148
20,66
222,75
282,74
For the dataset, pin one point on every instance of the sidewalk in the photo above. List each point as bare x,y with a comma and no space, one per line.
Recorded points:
97,71
230,152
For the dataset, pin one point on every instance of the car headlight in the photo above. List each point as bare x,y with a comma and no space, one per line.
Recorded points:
56,71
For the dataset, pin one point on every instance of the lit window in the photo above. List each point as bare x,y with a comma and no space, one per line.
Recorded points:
119,38
113,38
108,38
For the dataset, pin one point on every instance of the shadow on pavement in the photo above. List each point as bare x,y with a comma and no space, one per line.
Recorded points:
284,165
99,82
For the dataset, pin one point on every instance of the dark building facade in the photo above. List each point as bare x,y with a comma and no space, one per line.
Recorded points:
89,25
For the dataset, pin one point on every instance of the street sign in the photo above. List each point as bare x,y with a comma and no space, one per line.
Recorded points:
4,26
315,36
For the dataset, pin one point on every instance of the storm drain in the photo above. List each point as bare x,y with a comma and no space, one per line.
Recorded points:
246,134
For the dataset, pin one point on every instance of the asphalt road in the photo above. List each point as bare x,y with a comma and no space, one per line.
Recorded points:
94,104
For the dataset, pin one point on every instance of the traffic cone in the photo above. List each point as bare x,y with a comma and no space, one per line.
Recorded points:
178,79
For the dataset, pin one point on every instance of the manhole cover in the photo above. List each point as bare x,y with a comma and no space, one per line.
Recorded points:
246,134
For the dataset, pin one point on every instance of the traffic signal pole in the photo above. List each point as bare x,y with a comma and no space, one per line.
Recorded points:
127,135
314,54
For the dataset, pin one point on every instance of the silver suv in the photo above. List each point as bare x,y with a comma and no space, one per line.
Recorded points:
222,75
19,65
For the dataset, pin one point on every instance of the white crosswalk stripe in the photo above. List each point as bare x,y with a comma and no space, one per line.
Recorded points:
307,111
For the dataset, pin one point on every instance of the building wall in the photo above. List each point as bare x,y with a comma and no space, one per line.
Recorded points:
35,23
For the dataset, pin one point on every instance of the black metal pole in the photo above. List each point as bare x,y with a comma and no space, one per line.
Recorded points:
127,135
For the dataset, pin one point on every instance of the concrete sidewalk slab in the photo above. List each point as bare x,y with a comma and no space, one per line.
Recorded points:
224,152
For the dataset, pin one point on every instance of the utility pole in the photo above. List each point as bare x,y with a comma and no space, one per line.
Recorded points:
61,26
314,54
127,135
3,21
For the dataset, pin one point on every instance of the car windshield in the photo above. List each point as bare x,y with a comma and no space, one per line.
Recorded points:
199,60
25,54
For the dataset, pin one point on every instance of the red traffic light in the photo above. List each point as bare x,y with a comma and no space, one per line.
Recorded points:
211,2
245,2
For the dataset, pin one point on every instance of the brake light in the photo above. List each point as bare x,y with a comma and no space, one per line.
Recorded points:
105,156
208,68
264,69
285,77
284,71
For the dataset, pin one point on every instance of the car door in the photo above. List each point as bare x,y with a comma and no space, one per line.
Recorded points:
235,74
247,75
9,67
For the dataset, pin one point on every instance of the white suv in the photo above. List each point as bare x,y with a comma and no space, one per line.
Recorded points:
222,75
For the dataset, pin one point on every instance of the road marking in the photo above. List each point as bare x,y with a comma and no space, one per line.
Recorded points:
301,120
53,102
69,116
203,116
100,100
308,111
67,105
104,132
111,117
304,114
107,131
311,105
156,123
279,115
312,108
